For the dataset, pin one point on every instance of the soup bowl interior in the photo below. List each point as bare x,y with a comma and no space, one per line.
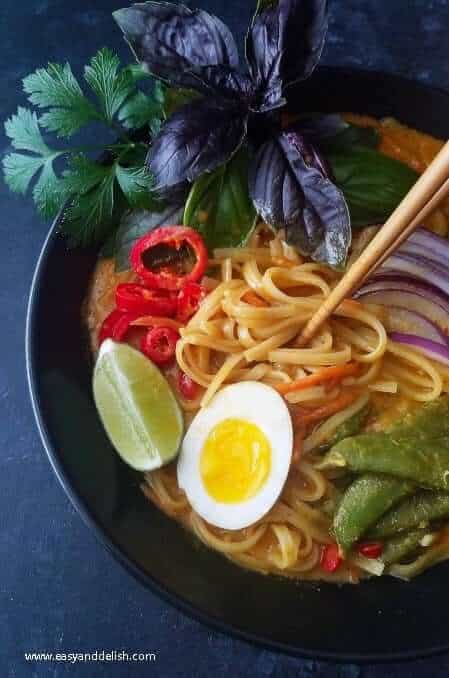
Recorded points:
380,619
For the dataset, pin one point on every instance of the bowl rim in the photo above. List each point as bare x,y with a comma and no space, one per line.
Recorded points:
146,580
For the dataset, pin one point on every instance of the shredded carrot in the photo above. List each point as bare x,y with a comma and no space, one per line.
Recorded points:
334,406
154,321
252,298
338,372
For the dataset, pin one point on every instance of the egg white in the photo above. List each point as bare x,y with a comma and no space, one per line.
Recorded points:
258,404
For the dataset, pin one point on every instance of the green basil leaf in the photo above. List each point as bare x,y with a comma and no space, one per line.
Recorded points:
219,206
331,133
349,137
372,183
135,224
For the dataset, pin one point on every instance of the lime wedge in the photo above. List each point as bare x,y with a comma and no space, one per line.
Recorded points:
137,407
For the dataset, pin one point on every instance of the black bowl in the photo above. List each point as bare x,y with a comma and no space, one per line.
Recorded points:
382,619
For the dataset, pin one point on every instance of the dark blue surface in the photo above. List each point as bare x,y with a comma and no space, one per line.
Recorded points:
60,590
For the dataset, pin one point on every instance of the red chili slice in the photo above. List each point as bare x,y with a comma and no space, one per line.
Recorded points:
116,325
135,298
188,388
330,558
159,344
371,549
189,299
175,237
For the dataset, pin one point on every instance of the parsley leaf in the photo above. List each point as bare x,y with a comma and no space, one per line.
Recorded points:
56,88
135,183
95,193
140,109
19,168
111,87
90,210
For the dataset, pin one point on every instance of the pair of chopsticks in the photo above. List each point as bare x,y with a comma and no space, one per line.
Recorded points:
428,192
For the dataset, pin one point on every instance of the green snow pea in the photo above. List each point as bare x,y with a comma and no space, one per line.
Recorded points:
425,462
417,511
363,503
400,547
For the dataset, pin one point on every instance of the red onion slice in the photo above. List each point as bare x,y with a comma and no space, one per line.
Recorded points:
426,270
437,248
431,349
404,321
408,299
405,283
423,253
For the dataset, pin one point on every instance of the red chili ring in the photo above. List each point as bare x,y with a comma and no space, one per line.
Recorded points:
172,236
189,299
136,298
116,325
159,344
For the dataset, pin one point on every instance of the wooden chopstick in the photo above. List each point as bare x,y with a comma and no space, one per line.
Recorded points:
406,214
427,210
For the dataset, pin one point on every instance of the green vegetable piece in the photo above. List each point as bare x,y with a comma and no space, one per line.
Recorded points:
140,110
428,422
348,428
20,169
365,500
400,547
351,136
96,193
432,555
56,89
417,511
424,462
372,183
417,449
219,206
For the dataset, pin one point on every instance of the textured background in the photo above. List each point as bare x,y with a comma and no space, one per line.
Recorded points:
60,590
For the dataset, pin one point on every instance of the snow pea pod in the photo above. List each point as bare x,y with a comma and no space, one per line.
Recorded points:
416,511
400,547
348,428
428,422
424,461
365,500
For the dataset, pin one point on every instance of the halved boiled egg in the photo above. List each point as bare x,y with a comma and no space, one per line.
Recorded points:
236,455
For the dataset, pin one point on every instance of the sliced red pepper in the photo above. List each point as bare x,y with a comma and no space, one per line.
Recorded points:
175,237
371,549
188,388
159,344
330,558
116,325
135,298
189,299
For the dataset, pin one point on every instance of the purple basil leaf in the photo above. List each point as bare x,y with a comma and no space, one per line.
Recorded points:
225,83
284,45
197,138
174,42
291,189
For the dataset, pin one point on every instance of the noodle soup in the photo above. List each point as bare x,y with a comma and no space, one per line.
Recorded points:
353,380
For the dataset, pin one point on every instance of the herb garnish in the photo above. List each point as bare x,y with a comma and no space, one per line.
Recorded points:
221,153
92,190
289,187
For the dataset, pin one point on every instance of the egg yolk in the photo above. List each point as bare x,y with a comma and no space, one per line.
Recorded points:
235,461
